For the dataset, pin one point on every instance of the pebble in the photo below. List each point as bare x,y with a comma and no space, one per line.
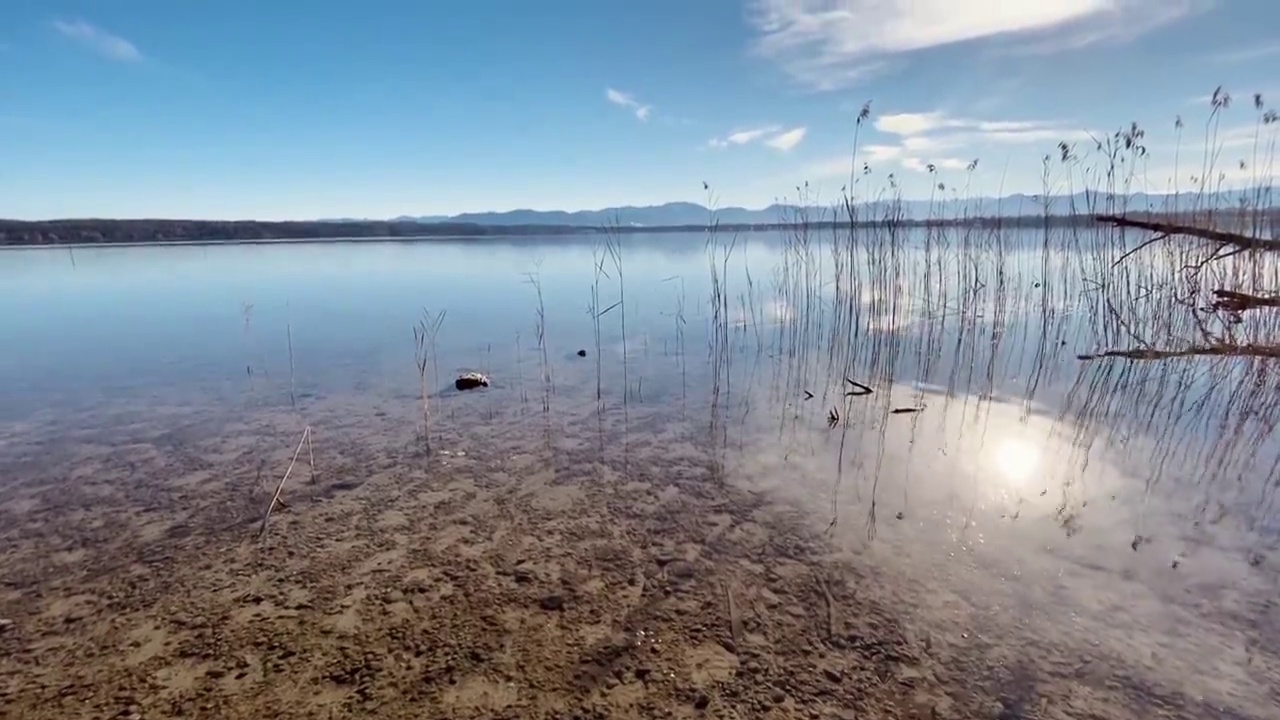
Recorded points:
701,701
777,696
832,674
681,570
395,596
5,625
551,602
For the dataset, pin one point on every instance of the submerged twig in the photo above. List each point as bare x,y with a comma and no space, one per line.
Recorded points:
275,499
858,389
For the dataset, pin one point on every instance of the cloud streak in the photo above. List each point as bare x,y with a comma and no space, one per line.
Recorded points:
98,40
1256,52
626,100
936,140
742,137
787,140
833,44
769,135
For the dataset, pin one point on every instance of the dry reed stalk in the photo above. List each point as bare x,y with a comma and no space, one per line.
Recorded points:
275,498
288,330
424,354
540,331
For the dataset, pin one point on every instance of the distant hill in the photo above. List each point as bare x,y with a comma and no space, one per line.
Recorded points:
685,213
1010,211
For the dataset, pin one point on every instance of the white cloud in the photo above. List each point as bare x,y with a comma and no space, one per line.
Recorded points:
946,163
1246,137
831,44
777,140
878,153
937,130
1255,52
910,123
787,140
947,142
626,100
742,137
99,40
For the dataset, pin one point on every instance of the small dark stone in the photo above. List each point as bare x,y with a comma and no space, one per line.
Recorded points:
582,353
777,696
470,381
730,645
701,701
642,672
215,673
5,626
552,602
523,575
832,674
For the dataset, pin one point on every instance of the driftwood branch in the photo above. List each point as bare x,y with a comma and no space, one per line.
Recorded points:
1219,350
1165,229
275,499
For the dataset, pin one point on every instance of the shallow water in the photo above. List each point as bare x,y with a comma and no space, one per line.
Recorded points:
1063,528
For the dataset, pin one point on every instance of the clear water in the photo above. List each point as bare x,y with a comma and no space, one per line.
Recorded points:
1065,511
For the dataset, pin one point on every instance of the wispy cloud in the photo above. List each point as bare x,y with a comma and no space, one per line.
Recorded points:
742,137
769,134
832,44
626,100
931,130
99,40
787,140
936,140
1255,52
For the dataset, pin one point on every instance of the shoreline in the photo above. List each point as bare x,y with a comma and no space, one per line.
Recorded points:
131,233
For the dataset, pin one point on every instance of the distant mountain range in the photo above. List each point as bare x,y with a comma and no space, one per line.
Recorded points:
685,213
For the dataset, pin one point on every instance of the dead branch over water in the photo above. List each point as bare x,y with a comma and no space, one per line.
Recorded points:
1166,229
1265,351
1237,302
1231,303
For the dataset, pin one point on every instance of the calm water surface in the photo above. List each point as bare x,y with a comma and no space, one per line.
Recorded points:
1060,508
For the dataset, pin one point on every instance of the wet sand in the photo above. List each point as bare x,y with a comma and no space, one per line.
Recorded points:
568,564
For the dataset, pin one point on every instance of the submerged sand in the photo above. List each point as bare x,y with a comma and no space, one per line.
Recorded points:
535,565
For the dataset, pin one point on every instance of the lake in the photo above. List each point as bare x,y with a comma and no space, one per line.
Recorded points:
806,474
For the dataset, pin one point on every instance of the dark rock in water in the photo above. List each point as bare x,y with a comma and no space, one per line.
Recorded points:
471,381
582,353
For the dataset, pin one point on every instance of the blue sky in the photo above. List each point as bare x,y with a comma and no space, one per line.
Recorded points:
293,109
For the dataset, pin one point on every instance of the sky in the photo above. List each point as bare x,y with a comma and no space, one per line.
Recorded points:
302,109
